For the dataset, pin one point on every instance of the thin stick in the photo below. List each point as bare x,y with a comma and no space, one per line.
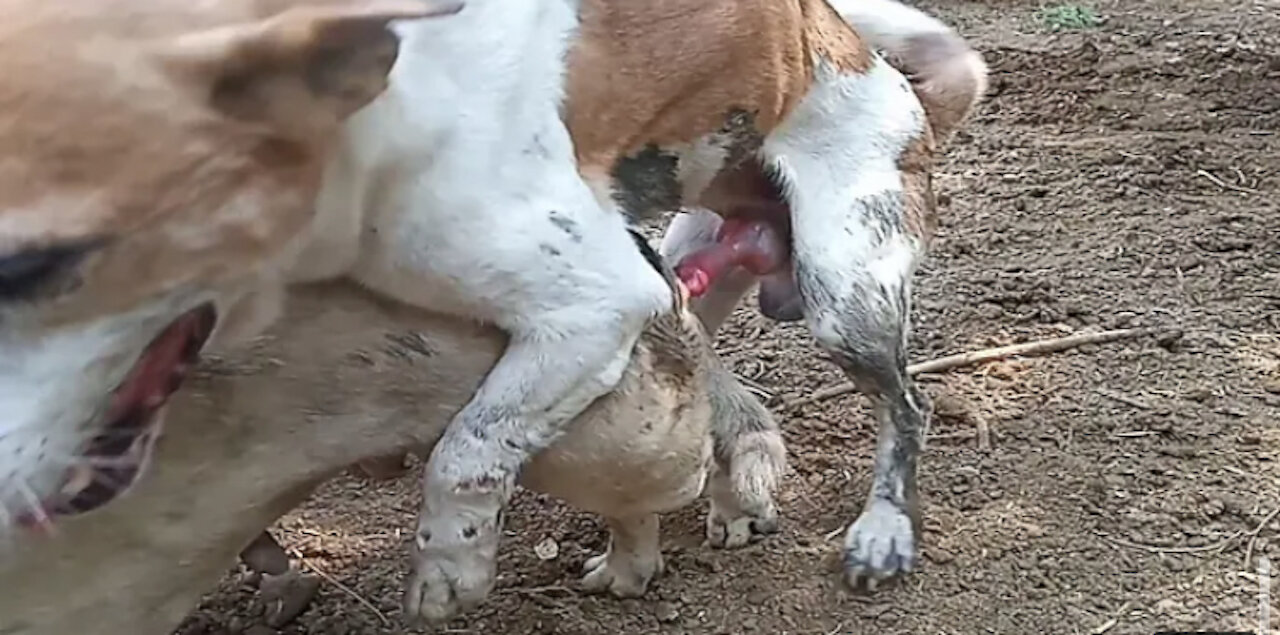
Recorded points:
1224,185
1109,624
754,387
1221,544
1124,399
984,431
345,589
1253,536
949,362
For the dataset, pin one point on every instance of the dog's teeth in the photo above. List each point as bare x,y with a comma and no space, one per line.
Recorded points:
81,478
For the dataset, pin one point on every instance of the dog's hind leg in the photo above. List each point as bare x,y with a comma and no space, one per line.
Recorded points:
632,560
750,460
852,163
750,456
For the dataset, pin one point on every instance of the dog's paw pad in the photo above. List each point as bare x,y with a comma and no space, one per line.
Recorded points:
620,577
880,545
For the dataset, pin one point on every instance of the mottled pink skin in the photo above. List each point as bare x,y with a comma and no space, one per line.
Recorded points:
751,244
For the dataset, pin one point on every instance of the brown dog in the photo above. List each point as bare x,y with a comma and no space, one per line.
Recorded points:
344,376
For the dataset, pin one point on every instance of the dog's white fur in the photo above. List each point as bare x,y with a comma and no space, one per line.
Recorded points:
474,205
469,202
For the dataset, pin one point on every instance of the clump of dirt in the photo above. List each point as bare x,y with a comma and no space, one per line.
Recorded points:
1122,175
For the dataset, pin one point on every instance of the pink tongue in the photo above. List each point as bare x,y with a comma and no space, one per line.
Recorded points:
148,383
750,244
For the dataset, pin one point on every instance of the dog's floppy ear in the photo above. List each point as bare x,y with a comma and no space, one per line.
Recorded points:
301,71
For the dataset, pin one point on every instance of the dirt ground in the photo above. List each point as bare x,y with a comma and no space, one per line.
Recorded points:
1118,176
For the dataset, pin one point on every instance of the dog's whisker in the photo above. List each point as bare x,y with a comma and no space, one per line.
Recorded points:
35,508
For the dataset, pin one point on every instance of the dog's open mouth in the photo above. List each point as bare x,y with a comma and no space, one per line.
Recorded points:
111,462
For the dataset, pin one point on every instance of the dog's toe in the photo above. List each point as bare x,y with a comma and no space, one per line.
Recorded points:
619,576
880,545
728,527
725,532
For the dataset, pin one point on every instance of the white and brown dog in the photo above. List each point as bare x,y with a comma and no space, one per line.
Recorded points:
161,163
157,161
492,180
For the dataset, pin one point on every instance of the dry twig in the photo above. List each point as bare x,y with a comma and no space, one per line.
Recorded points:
1110,624
345,589
1124,399
1220,545
1224,185
1253,536
949,362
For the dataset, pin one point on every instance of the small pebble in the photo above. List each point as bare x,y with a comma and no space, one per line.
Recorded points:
666,612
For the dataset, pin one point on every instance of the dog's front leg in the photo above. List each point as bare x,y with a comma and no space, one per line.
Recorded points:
567,347
542,381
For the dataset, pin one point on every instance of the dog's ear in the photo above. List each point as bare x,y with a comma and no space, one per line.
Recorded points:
301,71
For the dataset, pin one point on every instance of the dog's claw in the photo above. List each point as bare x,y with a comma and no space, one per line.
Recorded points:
880,545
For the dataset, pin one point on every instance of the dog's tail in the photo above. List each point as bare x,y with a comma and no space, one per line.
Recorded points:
749,452
949,76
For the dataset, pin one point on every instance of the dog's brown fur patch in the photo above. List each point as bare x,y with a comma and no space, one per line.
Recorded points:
152,129
669,72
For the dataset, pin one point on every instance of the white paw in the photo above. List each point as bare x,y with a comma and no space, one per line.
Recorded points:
623,577
728,528
881,544
453,568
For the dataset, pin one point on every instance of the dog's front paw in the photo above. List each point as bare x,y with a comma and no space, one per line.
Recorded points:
881,544
453,570
621,576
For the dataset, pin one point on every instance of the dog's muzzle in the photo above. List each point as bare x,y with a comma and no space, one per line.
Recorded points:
110,462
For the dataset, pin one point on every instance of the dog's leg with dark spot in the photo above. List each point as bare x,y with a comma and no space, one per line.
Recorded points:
857,182
631,562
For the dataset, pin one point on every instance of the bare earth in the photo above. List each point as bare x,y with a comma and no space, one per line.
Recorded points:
1120,176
